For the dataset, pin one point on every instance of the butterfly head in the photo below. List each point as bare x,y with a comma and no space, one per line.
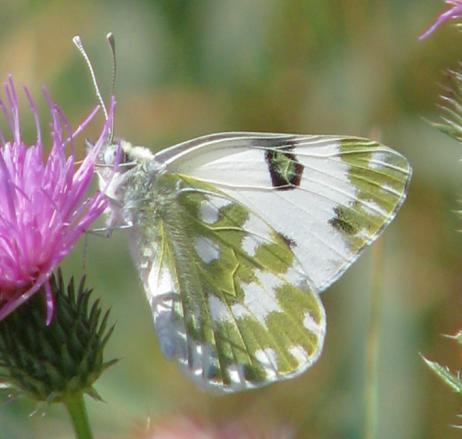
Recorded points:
113,154
122,155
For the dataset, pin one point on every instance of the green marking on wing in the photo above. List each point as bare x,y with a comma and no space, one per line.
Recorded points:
249,316
283,331
380,177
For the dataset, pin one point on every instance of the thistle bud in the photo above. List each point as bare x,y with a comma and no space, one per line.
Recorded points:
56,361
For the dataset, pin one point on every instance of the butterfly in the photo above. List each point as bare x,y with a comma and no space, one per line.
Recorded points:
236,234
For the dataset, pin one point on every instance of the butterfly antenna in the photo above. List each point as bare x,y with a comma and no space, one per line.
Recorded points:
111,41
78,43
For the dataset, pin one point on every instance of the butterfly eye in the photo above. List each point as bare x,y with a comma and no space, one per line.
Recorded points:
123,157
111,155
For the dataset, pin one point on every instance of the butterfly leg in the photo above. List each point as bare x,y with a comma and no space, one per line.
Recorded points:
106,232
114,221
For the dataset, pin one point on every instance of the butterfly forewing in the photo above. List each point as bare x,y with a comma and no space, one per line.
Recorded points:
329,196
229,297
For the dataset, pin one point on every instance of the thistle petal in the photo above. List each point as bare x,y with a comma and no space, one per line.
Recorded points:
454,12
45,205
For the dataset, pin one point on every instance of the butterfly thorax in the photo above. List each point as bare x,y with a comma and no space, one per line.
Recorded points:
127,177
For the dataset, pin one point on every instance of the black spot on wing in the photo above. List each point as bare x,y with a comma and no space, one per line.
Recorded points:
284,168
290,242
344,221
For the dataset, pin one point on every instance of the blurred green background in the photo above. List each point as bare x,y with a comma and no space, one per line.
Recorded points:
188,68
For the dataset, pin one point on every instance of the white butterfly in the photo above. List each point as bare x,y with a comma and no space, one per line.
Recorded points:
235,235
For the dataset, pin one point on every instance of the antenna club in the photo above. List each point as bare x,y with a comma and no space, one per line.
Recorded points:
111,41
77,41
110,38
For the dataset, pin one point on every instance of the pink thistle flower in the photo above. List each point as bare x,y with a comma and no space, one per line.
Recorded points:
44,203
193,427
454,12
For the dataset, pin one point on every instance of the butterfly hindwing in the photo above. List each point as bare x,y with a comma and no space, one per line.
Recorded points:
330,196
230,299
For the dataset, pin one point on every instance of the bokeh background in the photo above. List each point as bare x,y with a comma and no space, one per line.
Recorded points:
188,68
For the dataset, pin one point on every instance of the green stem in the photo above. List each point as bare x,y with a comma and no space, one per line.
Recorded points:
373,342
75,406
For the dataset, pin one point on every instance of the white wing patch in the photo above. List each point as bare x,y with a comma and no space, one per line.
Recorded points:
258,231
310,324
298,353
268,359
206,249
259,296
218,310
210,213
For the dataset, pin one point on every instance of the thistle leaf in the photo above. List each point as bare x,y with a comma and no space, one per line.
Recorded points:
453,380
